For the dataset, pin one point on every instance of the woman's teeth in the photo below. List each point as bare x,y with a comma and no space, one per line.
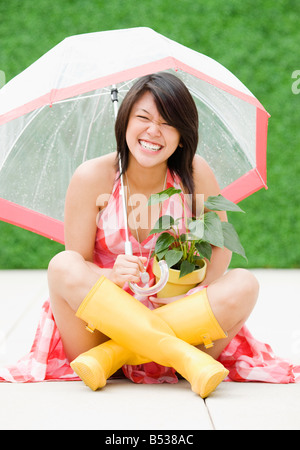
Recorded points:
149,146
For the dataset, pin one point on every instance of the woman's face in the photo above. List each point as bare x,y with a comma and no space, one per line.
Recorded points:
150,139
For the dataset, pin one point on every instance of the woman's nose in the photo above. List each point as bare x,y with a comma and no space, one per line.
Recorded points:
154,129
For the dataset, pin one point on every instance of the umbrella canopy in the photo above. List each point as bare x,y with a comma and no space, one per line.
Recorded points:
58,113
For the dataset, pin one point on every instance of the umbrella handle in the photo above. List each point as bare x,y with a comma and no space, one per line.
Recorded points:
164,275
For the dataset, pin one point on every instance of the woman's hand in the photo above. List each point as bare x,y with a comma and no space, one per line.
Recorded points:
127,268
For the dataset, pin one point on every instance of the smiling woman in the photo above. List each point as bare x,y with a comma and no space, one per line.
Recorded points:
157,135
89,283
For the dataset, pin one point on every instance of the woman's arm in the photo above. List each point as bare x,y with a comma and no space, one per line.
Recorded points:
91,180
206,184
217,265
81,209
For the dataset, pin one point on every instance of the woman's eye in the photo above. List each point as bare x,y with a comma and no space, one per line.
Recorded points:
143,117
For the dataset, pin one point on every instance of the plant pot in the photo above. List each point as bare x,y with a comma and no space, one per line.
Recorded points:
177,286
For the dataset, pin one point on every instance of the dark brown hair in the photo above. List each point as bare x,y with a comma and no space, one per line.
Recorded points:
176,106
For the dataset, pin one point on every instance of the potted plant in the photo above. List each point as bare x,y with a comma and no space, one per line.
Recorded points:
186,252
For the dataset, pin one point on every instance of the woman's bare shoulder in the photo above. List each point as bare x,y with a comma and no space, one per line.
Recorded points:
97,174
204,178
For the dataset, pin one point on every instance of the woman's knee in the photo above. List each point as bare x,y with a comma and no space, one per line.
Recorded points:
233,297
244,291
246,284
62,268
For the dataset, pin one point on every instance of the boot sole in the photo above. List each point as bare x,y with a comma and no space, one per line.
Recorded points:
89,371
207,383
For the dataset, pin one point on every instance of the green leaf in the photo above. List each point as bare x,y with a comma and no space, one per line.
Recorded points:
163,242
161,254
213,232
183,238
186,268
220,203
231,239
204,249
172,257
163,195
164,223
196,228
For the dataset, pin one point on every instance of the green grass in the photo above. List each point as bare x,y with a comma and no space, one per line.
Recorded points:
258,40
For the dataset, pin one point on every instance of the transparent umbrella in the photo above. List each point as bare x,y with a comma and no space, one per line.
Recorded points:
58,113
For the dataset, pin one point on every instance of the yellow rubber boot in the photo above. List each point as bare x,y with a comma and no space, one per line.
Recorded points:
192,320
123,318
95,366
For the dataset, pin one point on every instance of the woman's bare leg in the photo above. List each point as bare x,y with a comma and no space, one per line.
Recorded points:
70,278
232,298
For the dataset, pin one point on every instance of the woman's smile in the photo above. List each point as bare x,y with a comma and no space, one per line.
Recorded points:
151,147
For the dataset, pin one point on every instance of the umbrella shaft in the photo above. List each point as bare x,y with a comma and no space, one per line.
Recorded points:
128,246
114,99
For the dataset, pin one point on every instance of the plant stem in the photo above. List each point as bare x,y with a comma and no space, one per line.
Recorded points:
191,252
185,245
